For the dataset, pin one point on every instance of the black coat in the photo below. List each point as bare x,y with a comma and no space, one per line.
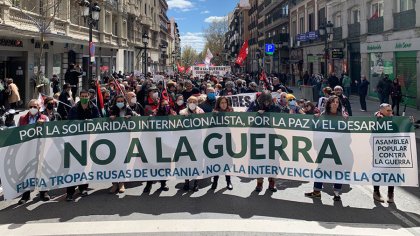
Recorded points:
363,87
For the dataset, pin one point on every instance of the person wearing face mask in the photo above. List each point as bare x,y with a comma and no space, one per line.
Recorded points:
264,103
119,109
179,103
134,105
283,103
33,117
192,108
210,101
222,105
83,110
164,110
49,109
66,102
292,104
152,101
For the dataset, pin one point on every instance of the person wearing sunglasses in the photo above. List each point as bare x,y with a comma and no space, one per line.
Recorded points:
50,110
33,117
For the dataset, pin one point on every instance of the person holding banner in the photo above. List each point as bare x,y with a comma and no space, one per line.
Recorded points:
385,110
119,109
83,110
264,103
222,105
164,110
332,108
134,105
33,117
192,108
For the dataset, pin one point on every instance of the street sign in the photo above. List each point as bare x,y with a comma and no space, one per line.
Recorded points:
269,49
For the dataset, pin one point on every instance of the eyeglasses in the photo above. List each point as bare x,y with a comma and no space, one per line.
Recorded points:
33,107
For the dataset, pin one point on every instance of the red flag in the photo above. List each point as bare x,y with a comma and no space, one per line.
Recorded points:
242,54
263,78
100,98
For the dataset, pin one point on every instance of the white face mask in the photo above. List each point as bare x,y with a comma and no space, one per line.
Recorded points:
179,102
33,111
133,100
192,106
155,95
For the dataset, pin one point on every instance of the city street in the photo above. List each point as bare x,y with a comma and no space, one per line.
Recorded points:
222,212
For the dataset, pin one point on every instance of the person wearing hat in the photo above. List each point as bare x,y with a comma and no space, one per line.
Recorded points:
152,101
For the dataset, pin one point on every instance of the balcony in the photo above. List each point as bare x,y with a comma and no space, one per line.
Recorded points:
405,20
354,30
376,26
337,33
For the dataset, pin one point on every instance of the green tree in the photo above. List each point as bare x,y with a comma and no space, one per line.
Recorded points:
189,56
215,37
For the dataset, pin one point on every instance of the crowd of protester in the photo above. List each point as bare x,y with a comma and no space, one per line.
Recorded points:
122,95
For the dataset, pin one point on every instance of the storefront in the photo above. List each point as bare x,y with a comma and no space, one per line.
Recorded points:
398,59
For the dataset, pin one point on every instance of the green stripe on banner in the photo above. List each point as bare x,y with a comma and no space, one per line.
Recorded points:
206,121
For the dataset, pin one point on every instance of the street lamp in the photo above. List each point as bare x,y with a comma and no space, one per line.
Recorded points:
145,40
90,11
326,31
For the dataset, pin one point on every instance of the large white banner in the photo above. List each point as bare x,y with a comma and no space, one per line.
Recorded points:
364,151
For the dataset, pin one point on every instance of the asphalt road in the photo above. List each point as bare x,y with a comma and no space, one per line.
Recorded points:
222,212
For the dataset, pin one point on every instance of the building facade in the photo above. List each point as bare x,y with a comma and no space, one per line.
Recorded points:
117,37
262,22
370,37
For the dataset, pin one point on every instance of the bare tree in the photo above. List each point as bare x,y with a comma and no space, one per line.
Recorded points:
215,36
41,13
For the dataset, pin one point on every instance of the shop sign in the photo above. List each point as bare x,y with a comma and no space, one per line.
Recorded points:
400,45
337,54
374,47
11,43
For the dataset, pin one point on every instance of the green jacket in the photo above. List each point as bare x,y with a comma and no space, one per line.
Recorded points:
346,81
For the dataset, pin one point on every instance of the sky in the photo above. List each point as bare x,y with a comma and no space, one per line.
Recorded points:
193,16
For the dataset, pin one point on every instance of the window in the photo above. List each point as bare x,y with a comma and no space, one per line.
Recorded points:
311,22
337,20
302,25
406,5
321,17
377,10
355,16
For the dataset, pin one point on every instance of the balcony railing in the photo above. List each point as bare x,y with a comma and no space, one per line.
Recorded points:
354,30
405,20
376,26
337,33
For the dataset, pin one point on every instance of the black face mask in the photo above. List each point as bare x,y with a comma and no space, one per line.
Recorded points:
50,106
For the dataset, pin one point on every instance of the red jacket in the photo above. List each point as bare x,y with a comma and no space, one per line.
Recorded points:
24,120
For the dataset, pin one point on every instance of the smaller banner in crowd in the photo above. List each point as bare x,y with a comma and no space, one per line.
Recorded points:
364,151
201,71
241,102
